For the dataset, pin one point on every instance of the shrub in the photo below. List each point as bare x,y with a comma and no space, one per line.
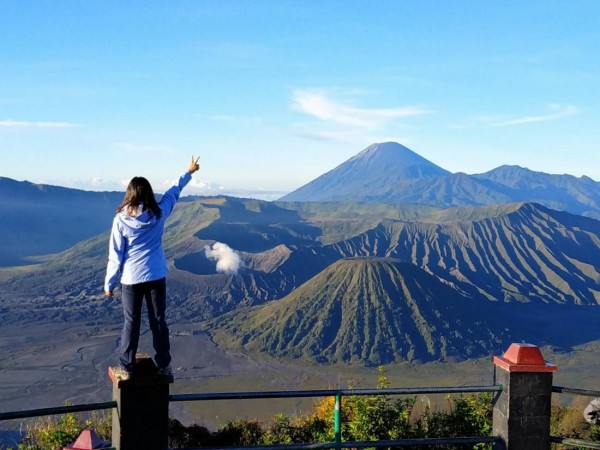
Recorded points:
52,432
466,416
181,436
568,422
240,433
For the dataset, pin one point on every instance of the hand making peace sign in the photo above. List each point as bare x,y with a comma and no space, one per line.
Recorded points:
194,166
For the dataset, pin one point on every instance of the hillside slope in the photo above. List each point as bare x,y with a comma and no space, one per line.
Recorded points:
519,252
38,219
277,254
375,311
366,310
516,255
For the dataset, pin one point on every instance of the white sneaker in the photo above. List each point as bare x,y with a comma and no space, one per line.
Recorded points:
120,373
165,371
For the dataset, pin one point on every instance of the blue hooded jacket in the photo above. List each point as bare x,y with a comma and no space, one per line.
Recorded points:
135,247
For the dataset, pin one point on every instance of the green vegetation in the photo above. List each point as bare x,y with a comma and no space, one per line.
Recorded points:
568,422
55,432
377,417
369,418
364,418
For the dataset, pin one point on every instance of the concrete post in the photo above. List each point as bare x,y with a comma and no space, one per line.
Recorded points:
141,419
522,410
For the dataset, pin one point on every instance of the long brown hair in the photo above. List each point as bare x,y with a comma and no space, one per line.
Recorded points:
139,191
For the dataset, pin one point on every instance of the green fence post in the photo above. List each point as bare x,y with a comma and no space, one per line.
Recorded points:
337,421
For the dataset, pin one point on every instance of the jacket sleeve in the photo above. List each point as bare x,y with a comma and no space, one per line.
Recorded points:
116,252
168,200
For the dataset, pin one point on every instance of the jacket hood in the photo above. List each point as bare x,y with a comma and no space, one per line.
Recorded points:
146,219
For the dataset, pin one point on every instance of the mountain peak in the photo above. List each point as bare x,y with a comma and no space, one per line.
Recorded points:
368,310
382,158
379,169
392,152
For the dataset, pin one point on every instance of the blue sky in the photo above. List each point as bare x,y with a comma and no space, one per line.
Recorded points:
272,94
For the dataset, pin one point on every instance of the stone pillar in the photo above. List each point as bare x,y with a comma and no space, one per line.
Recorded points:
522,409
141,419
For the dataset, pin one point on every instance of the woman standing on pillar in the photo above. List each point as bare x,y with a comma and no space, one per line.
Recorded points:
137,257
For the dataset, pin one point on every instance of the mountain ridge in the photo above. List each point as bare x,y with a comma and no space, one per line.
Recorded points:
488,253
374,311
517,257
499,257
39,219
371,310
394,179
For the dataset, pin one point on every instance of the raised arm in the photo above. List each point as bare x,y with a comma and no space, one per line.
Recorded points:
168,200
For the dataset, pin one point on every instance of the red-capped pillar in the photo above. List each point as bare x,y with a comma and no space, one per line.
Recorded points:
522,409
89,440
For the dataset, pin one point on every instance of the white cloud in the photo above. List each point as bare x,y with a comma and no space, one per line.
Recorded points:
97,181
228,261
198,186
328,135
317,103
96,184
349,136
259,194
9,123
553,112
195,186
196,183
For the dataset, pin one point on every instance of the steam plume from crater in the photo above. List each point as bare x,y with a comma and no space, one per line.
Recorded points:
228,261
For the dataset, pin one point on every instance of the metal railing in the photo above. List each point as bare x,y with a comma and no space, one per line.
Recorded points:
572,441
337,394
331,393
57,410
364,444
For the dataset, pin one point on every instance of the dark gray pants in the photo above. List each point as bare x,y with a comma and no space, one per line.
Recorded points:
133,295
